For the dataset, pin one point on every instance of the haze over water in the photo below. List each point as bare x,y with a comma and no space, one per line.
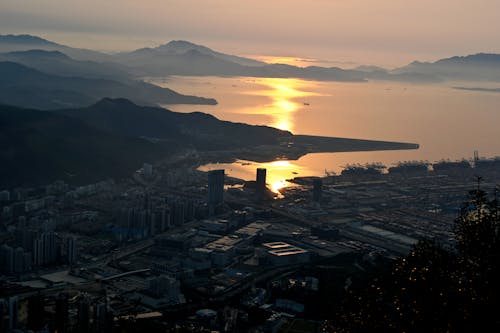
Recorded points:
447,123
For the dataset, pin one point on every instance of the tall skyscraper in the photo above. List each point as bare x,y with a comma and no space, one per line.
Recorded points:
19,264
71,250
102,318
35,312
62,313
147,170
317,189
13,312
83,314
45,249
38,257
7,259
261,179
49,247
215,187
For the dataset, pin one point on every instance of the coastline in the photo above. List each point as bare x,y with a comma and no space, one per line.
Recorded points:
295,146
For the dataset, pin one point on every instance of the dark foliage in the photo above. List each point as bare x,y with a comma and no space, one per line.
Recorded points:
109,139
434,289
37,147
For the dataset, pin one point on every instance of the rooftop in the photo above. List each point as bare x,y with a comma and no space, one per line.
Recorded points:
276,245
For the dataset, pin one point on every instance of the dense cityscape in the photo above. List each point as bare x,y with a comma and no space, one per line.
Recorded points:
180,248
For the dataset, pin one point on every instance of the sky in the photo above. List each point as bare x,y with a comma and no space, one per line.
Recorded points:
379,32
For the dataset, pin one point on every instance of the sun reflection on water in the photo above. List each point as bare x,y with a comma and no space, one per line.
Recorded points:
277,171
284,96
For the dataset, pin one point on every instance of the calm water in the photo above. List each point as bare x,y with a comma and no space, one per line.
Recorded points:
447,123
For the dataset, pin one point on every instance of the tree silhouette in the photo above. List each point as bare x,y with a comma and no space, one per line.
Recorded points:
433,288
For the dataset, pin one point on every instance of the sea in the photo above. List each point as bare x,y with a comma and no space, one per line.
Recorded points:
447,123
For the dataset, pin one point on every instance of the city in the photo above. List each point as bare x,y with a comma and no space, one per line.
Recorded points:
211,252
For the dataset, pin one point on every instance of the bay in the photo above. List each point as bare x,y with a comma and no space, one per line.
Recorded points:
447,123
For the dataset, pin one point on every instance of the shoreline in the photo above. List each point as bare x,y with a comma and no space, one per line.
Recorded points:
293,147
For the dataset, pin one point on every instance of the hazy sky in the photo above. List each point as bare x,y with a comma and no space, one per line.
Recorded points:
366,31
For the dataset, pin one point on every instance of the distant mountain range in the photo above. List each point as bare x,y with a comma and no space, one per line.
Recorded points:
26,87
186,58
37,73
10,43
58,63
477,67
180,47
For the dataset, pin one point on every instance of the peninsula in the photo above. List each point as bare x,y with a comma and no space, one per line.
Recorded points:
114,137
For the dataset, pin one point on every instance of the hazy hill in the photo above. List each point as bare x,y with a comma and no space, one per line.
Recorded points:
203,131
173,58
57,63
27,87
180,47
154,63
476,67
9,43
25,40
184,58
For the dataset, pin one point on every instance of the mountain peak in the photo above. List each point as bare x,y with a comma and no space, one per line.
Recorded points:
473,58
108,102
182,46
25,40
180,43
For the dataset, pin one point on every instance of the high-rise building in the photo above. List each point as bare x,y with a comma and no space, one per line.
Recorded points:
49,247
35,313
164,286
45,249
147,170
7,259
178,211
4,196
14,260
19,258
62,313
261,180
71,250
102,318
13,312
83,314
160,220
215,188
38,258
4,315
317,189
